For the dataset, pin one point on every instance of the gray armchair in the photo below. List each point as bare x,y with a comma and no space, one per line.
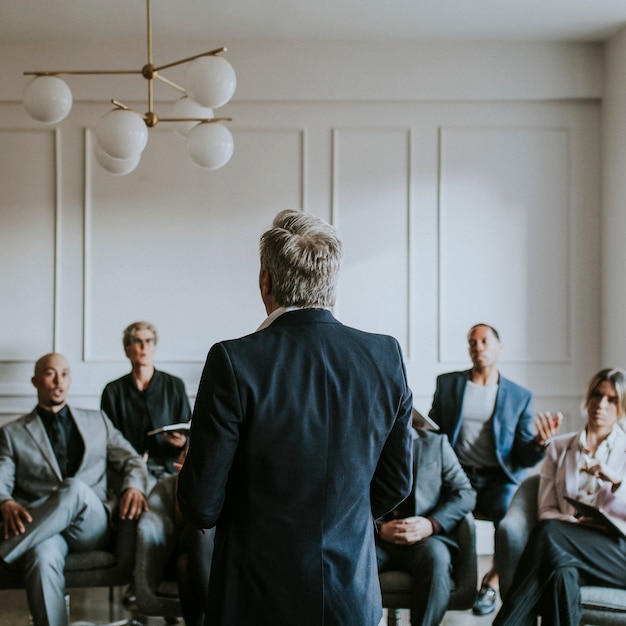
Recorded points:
98,568
601,605
155,583
396,586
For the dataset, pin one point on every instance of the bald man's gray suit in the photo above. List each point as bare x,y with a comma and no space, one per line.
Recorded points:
68,514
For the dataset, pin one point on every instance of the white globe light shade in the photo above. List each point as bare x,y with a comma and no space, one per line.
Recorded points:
210,145
117,167
186,107
122,134
47,99
210,81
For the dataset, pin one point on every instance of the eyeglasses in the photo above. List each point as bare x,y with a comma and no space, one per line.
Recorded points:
148,341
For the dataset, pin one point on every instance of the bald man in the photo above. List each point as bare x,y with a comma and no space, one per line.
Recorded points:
53,488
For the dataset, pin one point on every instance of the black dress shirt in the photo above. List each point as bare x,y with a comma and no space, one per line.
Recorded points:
66,441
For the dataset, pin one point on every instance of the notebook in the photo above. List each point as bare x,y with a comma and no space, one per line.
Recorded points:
598,516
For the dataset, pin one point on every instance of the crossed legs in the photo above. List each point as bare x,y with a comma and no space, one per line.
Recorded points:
558,558
71,518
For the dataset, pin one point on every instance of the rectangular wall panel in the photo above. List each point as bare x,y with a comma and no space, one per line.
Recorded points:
451,213
504,240
371,207
28,243
178,245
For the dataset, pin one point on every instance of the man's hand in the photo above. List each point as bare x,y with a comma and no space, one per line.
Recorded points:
132,504
406,531
547,426
13,517
175,439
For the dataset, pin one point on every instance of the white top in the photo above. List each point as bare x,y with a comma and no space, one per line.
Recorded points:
588,485
475,446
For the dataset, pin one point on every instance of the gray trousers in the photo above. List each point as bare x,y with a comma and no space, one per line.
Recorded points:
430,563
71,518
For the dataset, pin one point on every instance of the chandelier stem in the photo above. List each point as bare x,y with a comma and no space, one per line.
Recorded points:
149,29
150,96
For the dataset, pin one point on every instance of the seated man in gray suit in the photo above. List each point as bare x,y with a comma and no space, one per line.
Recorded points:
53,487
415,537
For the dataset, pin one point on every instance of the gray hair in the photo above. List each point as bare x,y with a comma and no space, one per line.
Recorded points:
302,254
131,329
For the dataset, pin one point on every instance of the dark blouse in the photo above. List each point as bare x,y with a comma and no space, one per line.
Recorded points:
136,412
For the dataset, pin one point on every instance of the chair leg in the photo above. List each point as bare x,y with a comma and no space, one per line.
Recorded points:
111,602
394,617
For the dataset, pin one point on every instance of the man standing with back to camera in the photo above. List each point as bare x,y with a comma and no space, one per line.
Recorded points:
300,438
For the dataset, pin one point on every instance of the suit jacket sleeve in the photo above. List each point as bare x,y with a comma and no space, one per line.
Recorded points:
7,467
435,409
393,477
525,451
213,441
458,498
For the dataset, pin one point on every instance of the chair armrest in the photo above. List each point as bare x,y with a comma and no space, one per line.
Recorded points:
513,531
125,544
156,543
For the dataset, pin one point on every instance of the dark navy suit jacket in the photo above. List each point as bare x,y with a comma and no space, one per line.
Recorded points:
512,421
300,438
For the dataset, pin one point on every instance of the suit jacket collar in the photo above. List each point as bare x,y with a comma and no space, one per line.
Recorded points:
34,425
304,316
37,430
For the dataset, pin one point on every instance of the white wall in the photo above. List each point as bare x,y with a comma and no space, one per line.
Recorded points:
614,203
465,180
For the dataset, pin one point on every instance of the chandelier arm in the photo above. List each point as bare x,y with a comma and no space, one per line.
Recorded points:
120,105
208,120
167,81
210,53
80,72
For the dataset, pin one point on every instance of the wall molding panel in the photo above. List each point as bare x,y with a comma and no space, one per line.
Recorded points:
371,208
30,240
504,214
438,203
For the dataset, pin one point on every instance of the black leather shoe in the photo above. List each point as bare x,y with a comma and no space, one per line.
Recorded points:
485,601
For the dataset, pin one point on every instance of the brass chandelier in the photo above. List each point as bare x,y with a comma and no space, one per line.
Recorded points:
122,134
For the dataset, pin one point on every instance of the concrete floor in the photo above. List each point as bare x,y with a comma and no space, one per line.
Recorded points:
91,606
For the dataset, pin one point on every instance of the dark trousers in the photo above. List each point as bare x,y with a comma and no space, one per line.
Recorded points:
494,492
430,563
193,567
560,557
